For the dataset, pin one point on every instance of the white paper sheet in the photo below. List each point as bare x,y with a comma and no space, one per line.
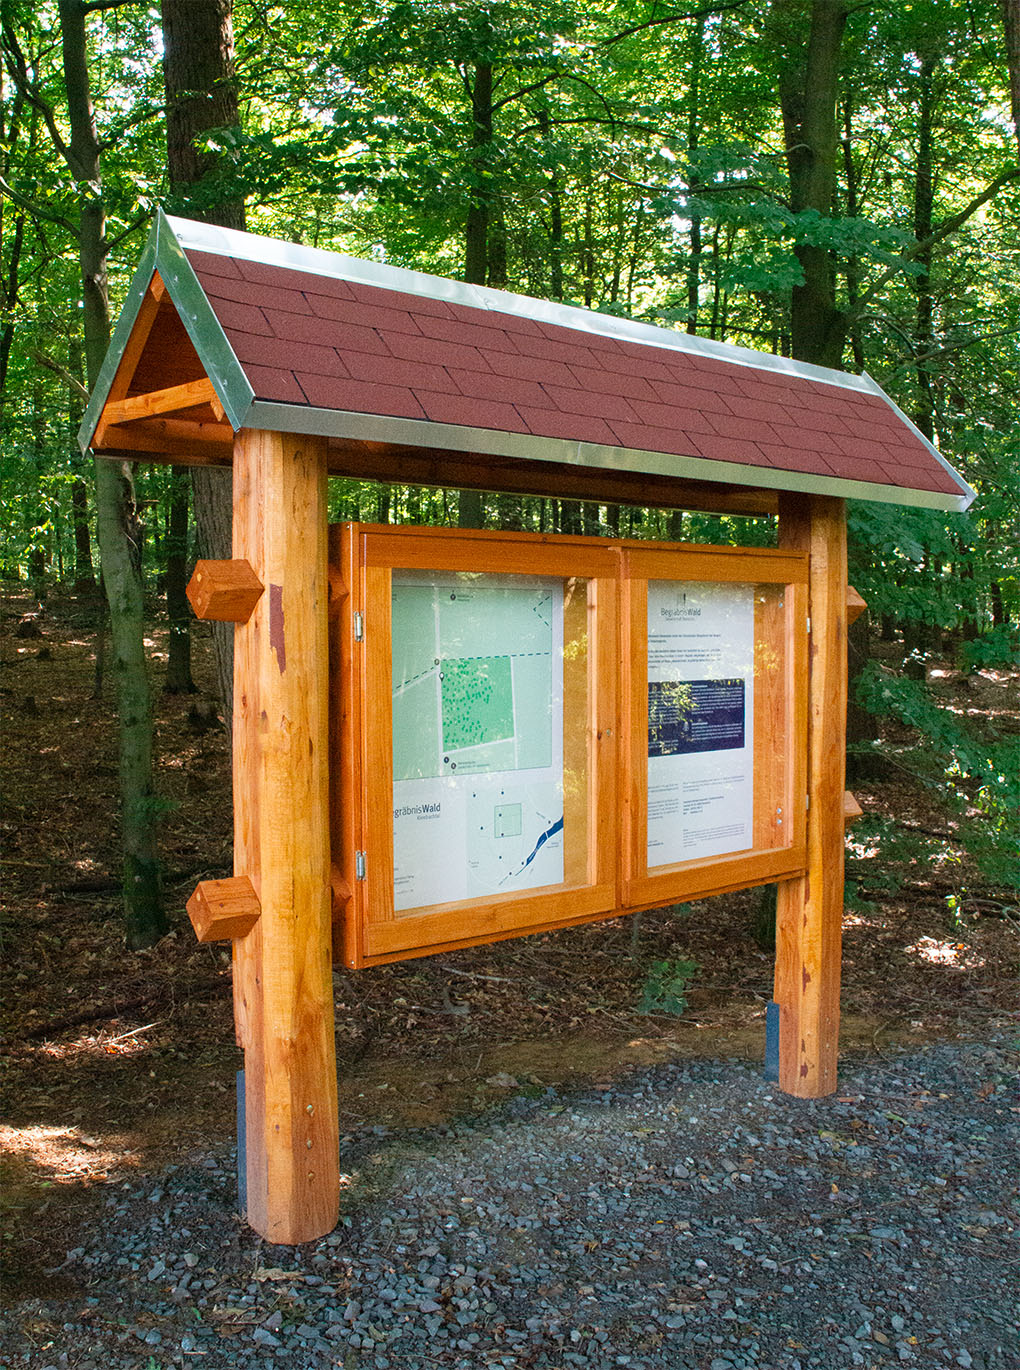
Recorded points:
477,736
700,720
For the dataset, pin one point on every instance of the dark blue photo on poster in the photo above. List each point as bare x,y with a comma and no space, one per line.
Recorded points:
687,716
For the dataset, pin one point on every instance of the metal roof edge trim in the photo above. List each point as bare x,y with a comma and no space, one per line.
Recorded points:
204,329
163,253
321,262
294,418
118,340
966,488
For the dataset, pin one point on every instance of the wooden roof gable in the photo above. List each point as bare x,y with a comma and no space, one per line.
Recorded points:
224,330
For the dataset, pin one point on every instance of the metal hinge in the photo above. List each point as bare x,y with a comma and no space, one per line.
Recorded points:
809,625
359,626
359,865
807,801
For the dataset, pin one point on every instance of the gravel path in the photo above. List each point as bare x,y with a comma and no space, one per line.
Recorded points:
688,1217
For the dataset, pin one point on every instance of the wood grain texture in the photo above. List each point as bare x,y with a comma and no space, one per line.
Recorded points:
184,442
483,471
780,580
284,998
771,822
133,349
224,591
810,907
577,750
851,809
362,729
855,605
222,910
167,401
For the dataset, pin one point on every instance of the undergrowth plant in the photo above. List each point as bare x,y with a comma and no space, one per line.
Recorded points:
975,777
666,985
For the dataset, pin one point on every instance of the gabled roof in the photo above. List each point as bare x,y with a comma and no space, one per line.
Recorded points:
300,340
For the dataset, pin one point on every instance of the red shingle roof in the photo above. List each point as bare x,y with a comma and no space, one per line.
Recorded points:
313,340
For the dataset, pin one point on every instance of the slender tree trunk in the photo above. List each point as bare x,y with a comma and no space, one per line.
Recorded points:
852,268
178,667
470,510
1011,27
693,138
201,94
924,413
555,220
476,237
84,575
807,93
117,519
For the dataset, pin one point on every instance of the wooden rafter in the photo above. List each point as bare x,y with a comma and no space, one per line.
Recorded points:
168,401
175,440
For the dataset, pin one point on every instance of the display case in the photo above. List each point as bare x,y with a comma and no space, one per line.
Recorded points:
715,699
475,702
529,732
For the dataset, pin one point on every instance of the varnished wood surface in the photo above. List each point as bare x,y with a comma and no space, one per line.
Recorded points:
780,581
224,591
166,401
810,907
285,993
559,480
855,605
222,910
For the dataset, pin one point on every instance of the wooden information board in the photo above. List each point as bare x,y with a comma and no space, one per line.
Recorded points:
529,732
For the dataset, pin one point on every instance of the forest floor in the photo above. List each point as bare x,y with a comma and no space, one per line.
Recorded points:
118,1063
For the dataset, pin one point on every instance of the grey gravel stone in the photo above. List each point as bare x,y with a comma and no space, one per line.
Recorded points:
686,1218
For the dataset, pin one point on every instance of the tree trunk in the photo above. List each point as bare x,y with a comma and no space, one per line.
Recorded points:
852,268
807,93
201,94
1011,25
470,512
693,137
924,413
476,237
84,575
116,517
178,667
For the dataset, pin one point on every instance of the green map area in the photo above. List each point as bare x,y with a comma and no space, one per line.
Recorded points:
472,679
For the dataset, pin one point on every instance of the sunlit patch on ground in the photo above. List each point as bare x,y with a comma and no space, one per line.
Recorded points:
957,955
102,1043
64,1154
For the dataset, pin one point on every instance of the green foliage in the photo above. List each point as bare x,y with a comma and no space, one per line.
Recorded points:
976,775
1000,647
666,984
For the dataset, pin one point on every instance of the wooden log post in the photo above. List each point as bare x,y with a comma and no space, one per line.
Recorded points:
283,987
809,912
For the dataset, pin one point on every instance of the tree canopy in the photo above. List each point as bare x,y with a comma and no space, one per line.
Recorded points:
833,181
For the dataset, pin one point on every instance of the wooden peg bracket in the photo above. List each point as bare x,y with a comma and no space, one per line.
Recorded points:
226,591
851,809
855,605
222,910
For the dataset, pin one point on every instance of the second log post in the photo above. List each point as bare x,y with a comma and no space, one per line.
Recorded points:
283,989
809,909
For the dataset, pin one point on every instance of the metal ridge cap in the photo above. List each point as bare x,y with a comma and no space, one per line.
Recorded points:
319,261
340,423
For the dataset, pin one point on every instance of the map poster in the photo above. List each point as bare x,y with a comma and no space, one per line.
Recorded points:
477,735
700,720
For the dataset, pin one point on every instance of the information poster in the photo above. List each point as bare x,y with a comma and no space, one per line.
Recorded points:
477,736
700,720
